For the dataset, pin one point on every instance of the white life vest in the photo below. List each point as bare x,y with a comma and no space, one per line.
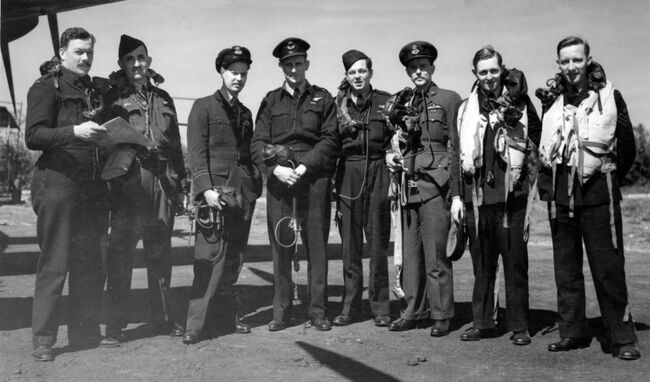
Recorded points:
581,136
510,142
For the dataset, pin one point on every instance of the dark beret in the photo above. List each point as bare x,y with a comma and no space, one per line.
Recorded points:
352,56
417,49
230,55
290,47
129,44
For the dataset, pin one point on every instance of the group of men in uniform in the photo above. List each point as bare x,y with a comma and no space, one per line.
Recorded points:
445,161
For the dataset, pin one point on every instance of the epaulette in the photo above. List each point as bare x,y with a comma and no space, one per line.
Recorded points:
319,89
276,90
384,93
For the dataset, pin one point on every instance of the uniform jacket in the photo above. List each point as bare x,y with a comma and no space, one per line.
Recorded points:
55,103
219,137
434,163
493,191
162,130
595,190
377,136
308,126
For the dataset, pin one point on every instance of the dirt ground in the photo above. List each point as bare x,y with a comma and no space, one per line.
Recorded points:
359,352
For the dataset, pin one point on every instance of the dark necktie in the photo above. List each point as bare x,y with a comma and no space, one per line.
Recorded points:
360,102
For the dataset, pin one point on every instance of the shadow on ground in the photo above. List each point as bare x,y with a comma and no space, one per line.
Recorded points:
348,368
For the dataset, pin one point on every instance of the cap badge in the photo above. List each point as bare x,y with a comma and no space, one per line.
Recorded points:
414,49
291,45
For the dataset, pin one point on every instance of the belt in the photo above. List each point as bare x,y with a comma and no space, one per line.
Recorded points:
225,155
357,157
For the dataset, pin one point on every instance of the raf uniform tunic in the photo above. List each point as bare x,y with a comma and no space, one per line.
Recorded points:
307,125
143,201
427,278
362,181
70,204
218,136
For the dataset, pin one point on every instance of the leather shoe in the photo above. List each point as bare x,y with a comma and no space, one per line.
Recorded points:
342,320
175,329
401,324
241,328
322,324
111,341
520,338
43,353
569,343
191,337
276,325
628,352
382,321
440,328
472,334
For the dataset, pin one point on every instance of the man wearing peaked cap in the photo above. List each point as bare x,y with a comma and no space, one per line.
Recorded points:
145,196
221,126
417,49
291,47
425,156
362,181
297,119
230,55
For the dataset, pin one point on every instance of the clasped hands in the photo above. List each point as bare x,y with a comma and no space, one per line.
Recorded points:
288,175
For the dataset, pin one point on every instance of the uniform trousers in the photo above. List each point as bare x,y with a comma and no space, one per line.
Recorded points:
313,195
216,278
139,209
591,225
71,219
426,272
370,213
494,240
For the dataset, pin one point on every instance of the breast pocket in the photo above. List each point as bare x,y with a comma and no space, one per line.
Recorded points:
219,129
169,117
280,122
437,123
71,110
377,128
311,120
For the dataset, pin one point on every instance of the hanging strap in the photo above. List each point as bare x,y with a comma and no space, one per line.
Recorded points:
477,199
533,193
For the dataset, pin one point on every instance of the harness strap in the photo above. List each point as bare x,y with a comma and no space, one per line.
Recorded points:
533,193
553,204
612,220
477,198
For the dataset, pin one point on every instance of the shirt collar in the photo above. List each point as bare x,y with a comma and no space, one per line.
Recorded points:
67,74
305,86
229,98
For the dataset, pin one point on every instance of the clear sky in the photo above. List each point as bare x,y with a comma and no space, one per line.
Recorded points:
184,37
